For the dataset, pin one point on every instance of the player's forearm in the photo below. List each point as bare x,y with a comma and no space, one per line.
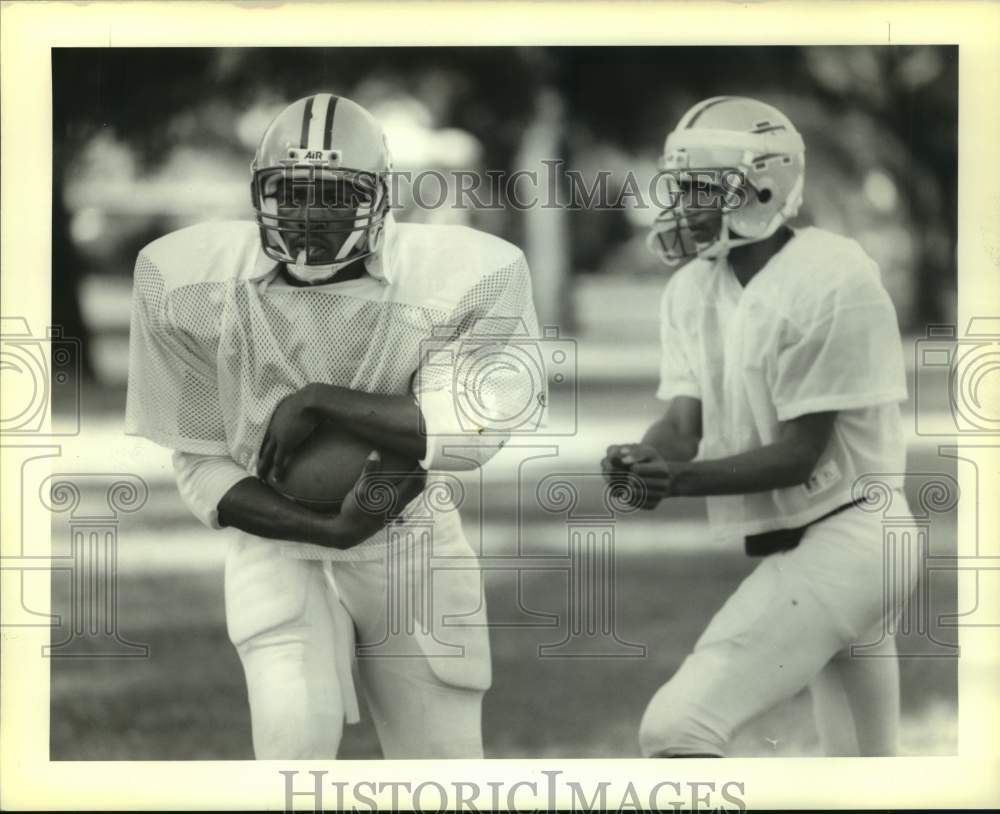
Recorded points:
775,466
253,507
388,422
672,444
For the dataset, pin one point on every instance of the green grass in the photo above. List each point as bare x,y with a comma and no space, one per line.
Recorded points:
187,700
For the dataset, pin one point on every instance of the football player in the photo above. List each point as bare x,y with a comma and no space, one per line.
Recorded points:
782,370
244,338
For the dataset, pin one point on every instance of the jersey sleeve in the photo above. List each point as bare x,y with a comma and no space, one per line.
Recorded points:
841,351
173,396
482,377
203,480
677,370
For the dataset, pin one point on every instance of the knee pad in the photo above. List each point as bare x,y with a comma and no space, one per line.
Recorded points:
264,590
294,713
674,726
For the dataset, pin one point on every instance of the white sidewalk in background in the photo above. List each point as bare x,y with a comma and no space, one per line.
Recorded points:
102,447
616,336
195,549
599,361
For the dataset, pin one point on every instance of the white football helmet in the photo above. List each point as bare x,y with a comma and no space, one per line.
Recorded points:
320,186
760,154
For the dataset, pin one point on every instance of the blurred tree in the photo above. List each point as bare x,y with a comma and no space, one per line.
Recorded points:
625,98
131,92
154,99
907,96
911,92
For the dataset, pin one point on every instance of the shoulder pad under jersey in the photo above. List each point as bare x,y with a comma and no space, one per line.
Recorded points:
211,252
438,255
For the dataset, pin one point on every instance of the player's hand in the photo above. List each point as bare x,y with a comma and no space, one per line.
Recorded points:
656,480
639,453
292,422
376,500
619,459
611,464
619,469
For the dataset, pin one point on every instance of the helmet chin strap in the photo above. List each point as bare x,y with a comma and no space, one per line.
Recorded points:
719,248
313,273
722,245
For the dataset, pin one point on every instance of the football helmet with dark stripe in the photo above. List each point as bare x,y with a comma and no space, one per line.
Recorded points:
319,184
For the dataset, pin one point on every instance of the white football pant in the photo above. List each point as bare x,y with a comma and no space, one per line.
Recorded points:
295,624
791,624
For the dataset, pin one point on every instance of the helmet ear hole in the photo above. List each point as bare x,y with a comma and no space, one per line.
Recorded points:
764,195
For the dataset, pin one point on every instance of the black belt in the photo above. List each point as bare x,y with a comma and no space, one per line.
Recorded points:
771,542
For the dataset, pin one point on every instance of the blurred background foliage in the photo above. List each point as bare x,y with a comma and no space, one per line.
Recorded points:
149,140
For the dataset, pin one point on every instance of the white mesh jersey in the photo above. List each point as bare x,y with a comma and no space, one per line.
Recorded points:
218,339
813,331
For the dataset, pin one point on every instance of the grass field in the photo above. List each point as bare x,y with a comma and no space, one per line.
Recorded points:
188,700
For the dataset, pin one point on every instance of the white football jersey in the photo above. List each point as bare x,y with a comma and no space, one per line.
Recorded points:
813,331
218,338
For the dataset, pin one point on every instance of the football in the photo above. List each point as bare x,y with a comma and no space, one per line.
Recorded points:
325,468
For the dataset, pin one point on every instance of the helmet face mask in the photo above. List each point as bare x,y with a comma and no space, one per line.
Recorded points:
306,217
320,187
755,160
691,221
672,239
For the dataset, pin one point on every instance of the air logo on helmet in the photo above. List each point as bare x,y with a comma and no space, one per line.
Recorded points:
326,158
